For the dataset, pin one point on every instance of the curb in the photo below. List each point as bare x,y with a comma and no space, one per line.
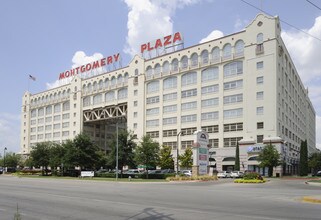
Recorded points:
311,200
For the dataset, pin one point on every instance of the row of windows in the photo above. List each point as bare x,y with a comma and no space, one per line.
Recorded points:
95,86
49,135
216,55
50,109
52,97
109,96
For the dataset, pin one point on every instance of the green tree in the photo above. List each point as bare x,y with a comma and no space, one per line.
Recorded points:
166,160
186,159
12,160
40,155
56,153
315,162
147,153
303,165
269,157
237,158
82,152
126,146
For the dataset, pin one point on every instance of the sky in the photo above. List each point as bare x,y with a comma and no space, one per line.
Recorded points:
44,38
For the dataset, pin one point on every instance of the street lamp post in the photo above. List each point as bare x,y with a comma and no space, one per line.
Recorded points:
179,133
4,159
116,150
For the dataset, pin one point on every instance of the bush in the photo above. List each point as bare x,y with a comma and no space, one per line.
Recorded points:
29,172
187,178
249,181
251,176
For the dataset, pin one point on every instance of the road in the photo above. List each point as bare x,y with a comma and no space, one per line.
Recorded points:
48,199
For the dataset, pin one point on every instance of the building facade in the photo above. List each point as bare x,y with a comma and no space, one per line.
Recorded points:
241,88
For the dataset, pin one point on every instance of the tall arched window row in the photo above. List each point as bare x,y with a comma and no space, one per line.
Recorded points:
184,63
204,57
122,94
165,67
227,52
194,60
233,69
153,87
210,74
239,48
170,83
216,57
175,65
157,69
189,78
149,72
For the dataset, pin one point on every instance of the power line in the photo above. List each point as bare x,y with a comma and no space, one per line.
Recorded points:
314,4
282,21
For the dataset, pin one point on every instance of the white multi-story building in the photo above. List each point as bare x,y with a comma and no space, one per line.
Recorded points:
239,88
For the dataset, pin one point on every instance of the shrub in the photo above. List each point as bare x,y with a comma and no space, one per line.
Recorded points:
251,176
186,178
249,181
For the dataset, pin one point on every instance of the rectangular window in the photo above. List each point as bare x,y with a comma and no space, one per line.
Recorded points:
209,116
188,131
40,112
259,65
40,120
135,114
48,127
152,123
233,127
170,133
65,116
57,108
188,118
186,144
56,117
169,121
173,145
210,89
233,99
135,103
65,133
135,92
169,108
259,139
56,134
152,100
189,93
65,125
56,126
210,102
213,143
260,95
238,84
231,142
211,129
170,97
47,135
33,122
32,129
260,110
260,125
233,113
153,134
259,80
189,105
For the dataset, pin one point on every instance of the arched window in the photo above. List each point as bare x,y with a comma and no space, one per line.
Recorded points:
97,99
170,83
66,106
165,67
126,77
86,101
259,38
149,72
157,69
227,51
110,96
106,83
216,55
239,48
153,87
64,94
194,60
55,97
233,69
204,57
122,94
175,65
100,84
113,81
119,79
184,62
189,78
210,74
95,86
89,87
68,92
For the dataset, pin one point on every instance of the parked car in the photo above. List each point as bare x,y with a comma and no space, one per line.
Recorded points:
237,174
224,174
317,173
1,170
186,172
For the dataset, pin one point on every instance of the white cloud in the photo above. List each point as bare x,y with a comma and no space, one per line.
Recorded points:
79,58
10,128
213,35
305,51
149,20
240,24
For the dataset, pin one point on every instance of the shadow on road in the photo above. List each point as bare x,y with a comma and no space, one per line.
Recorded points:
151,214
